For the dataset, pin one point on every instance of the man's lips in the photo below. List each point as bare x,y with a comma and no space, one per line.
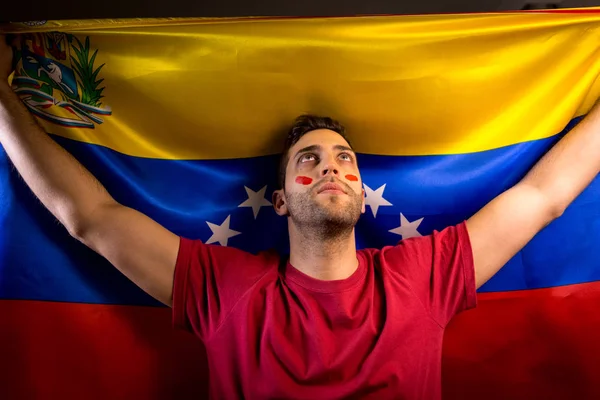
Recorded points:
331,187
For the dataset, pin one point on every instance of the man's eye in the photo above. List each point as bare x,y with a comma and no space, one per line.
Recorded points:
308,157
346,157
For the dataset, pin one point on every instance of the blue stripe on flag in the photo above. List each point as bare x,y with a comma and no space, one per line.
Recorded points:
38,260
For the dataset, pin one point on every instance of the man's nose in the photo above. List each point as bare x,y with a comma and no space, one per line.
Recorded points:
330,169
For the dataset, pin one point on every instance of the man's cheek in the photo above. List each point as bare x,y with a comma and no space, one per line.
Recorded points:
303,180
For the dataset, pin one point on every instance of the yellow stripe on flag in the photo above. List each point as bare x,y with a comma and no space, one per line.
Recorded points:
403,85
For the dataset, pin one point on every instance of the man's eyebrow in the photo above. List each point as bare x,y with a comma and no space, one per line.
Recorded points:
312,147
341,147
316,147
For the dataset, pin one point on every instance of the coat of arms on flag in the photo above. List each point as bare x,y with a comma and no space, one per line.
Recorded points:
58,81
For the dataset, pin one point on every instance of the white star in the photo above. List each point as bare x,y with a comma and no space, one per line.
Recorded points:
256,200
374,198
221,233
407,229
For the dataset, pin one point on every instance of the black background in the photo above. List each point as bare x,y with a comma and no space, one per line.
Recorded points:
29,10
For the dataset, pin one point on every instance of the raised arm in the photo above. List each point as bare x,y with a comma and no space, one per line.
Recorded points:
500,229
140,248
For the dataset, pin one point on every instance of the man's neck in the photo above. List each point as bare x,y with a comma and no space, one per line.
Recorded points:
324,259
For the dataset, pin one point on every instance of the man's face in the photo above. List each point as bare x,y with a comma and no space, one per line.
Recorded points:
323,188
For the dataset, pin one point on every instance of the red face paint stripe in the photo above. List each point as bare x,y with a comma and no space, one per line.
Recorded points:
303,180
352,178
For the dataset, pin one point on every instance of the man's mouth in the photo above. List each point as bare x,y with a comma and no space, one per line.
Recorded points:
331,188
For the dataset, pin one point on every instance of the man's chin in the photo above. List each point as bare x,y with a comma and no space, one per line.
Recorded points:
333,198
336,212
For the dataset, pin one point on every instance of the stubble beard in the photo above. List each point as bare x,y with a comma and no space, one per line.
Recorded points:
330,220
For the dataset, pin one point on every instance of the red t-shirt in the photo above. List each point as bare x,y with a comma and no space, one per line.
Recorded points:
273,332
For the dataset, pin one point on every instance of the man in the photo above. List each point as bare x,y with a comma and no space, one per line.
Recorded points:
330,321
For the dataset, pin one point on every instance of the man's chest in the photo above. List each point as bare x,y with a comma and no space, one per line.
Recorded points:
347,342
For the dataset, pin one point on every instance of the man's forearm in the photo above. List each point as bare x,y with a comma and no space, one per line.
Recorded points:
569,167
62,184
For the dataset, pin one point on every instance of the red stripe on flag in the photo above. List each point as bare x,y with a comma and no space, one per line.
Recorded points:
52,350
532,344
518,345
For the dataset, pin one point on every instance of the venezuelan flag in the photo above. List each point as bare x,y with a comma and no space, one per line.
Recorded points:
182,119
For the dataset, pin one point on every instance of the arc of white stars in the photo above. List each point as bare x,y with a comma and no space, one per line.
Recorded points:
221,233
256,200
407,229
374,198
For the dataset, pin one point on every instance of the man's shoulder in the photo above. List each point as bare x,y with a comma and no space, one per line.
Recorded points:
406,253
403,245
218,254
448,233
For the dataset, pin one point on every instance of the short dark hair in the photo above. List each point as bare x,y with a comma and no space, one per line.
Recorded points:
302,125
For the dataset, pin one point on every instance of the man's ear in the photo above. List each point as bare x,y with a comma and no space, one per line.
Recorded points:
364,206
279,203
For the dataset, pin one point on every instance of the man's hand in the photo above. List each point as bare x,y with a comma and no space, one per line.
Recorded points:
510,221
6,57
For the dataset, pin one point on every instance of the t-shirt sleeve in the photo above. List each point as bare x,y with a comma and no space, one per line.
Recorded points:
439,269
209,280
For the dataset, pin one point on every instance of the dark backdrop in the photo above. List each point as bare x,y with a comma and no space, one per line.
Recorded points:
28,10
